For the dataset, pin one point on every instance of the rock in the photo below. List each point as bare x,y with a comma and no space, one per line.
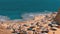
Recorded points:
57,18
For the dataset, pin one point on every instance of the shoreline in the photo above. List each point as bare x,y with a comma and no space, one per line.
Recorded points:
26,14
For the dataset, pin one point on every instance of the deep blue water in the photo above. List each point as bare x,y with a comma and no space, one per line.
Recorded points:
14,8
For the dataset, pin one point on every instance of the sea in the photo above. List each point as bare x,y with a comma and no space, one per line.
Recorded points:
15,9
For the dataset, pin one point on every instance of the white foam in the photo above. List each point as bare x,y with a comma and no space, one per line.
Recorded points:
4,18
27,16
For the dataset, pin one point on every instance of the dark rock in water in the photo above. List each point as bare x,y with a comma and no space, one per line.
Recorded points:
57,18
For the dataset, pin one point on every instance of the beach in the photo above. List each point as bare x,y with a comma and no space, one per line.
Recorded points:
37,25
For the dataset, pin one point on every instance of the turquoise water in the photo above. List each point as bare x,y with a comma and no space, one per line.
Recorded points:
15,8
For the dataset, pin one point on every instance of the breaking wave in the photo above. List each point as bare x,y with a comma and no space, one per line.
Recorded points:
4,18
26,16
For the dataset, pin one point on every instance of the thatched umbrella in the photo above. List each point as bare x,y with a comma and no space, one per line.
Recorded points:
57,18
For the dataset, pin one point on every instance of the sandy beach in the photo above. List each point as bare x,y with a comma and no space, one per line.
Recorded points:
38,25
